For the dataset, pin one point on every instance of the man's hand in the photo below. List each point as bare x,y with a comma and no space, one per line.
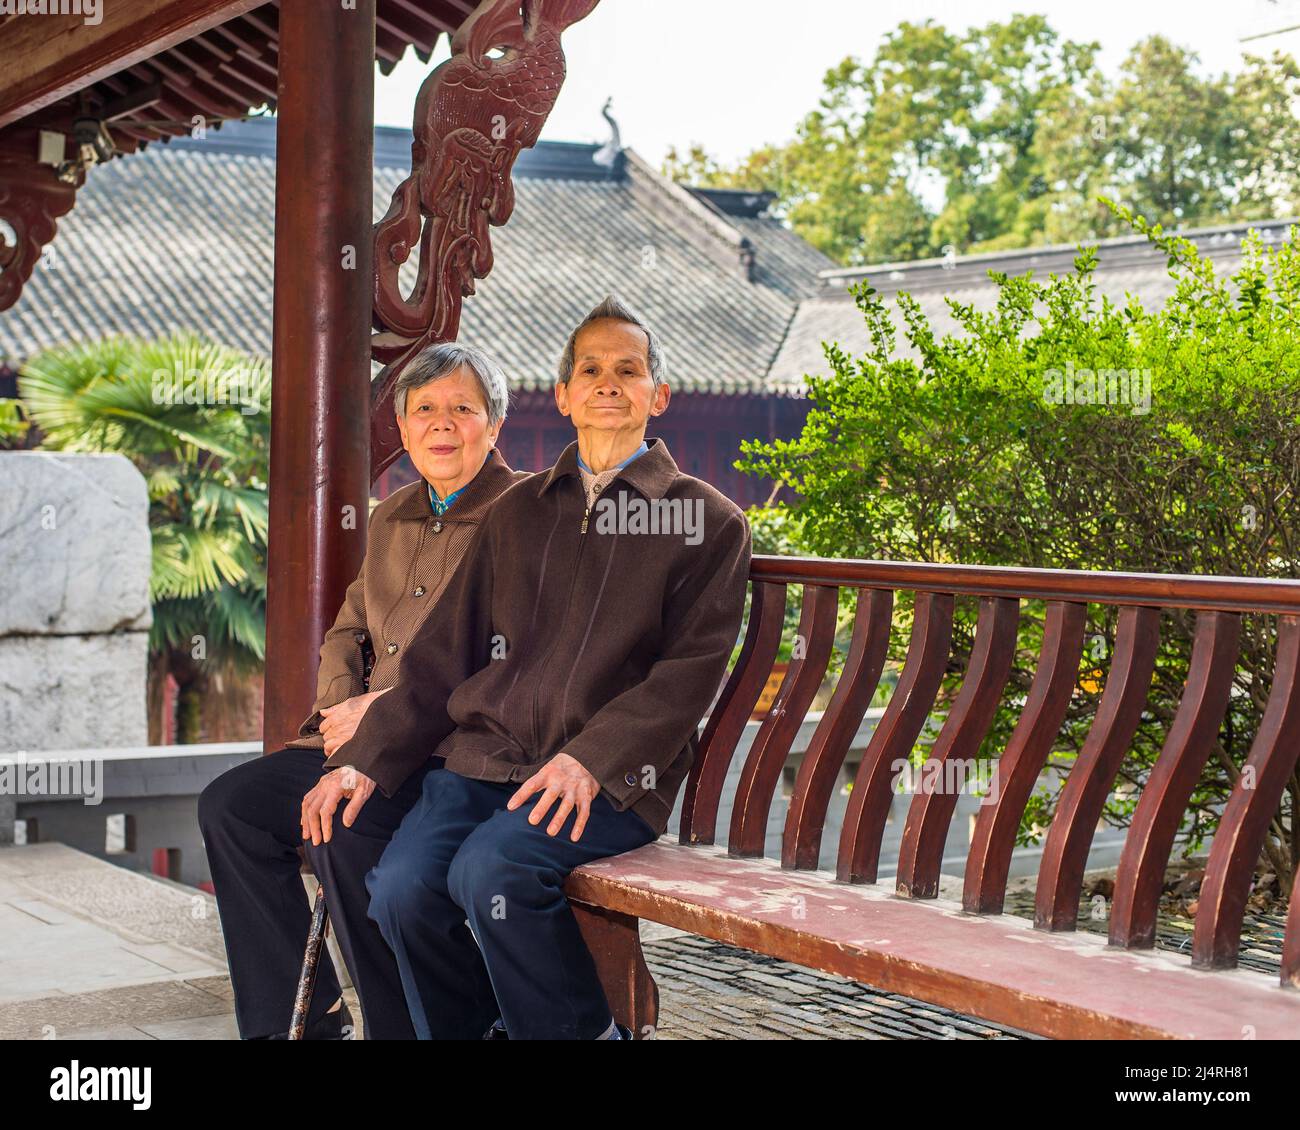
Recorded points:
343,718
563,779
318,805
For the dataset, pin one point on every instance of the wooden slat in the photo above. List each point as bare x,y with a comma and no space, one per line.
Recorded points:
1254,801
1291,941
1017,770
820,769
920,855
894,736
1160,808
439,19
406,28
1066,986
726,724
1079,807
1162,590
766,760
49,57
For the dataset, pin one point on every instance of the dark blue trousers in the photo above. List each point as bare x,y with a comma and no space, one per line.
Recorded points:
461,867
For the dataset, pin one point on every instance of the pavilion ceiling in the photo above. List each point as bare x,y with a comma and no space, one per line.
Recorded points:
225,71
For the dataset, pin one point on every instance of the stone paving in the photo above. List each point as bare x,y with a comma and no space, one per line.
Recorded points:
91,950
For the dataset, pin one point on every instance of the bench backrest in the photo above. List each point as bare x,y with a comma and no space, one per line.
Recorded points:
1218,604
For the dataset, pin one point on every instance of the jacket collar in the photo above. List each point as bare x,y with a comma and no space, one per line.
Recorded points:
476,496
650,474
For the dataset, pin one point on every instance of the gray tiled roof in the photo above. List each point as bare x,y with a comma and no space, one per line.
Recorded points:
181,236
1129,265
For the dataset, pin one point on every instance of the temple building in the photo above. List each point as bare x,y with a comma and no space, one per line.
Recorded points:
180,236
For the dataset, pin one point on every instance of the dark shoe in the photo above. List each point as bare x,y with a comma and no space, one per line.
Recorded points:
497,1031
336,1025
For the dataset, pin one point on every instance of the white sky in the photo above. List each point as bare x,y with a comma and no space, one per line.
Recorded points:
734,74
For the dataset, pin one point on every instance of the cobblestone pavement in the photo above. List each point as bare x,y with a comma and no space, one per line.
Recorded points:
712,991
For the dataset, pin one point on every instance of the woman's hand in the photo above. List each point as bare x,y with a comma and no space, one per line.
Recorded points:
343,718
319,805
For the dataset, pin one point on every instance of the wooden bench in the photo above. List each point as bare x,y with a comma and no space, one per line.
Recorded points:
1041,976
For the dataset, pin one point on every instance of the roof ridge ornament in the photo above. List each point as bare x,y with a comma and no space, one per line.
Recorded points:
607,155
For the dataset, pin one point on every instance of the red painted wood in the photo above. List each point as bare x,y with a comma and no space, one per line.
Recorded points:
1161,590
1068,986
1160,808
53,56
1291,941
1079,807
614,941
726,723
320,344
894,736
767,756
920,854
1252,804
1017,770
32,198
820,768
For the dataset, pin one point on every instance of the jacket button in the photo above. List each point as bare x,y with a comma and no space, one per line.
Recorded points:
392,649
419,590
630,778
437,527
360,637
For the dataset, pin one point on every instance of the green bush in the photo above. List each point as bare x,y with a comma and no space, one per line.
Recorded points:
970,450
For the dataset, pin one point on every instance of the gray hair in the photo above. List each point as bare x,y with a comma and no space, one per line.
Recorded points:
613,306
437,361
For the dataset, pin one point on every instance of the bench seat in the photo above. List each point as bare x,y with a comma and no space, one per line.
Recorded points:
997,967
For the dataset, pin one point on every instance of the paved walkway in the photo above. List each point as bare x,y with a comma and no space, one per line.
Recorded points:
91,950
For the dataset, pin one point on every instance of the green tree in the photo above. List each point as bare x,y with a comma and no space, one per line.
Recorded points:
961,450
1007,135
194,418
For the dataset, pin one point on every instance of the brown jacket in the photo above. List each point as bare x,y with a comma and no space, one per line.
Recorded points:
572,631
410,557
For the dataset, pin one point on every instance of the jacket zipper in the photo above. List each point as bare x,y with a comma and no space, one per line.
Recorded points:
568,603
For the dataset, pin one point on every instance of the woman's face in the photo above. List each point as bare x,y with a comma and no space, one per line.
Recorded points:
445,430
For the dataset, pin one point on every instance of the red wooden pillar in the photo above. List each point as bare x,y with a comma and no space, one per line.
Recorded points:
320,354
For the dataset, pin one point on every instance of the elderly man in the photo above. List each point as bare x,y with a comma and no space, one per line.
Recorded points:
451,403
561,678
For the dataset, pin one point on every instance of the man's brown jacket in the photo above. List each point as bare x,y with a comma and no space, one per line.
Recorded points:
593,632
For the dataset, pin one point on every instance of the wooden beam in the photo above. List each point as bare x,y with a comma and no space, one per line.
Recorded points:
48,57
320,342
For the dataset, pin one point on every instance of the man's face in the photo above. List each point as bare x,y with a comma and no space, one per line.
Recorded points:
611,389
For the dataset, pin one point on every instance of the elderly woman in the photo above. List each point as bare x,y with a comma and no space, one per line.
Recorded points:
451,403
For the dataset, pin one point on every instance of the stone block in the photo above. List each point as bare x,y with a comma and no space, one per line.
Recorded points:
74,544
73,692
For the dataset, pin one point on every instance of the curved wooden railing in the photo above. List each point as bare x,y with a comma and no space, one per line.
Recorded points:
1218,603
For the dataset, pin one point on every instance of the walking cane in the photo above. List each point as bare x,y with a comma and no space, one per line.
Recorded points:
319,911
310,963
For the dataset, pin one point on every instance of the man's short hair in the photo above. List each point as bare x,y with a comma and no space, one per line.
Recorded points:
437,361
612,306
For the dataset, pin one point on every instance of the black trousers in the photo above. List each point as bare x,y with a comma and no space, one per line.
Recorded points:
250,820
